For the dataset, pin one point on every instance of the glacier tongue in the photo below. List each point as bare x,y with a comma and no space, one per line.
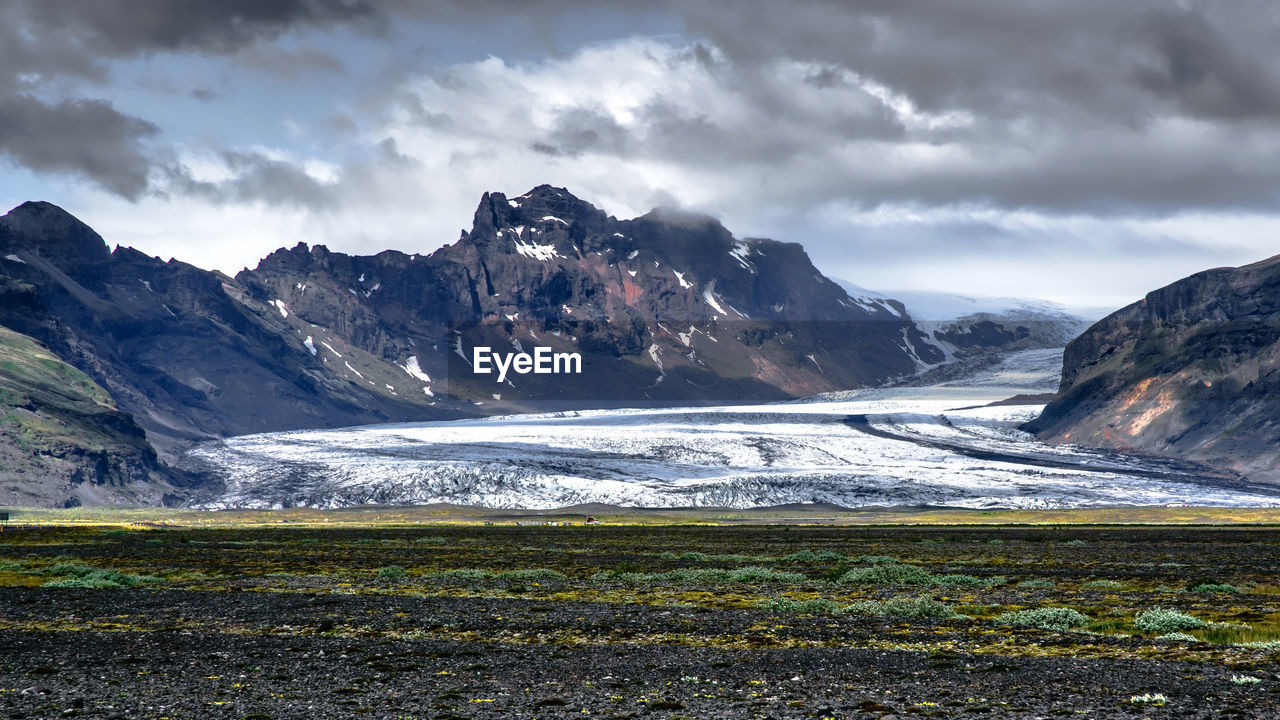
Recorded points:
907,446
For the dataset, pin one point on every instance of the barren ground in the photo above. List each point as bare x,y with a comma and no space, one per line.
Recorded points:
629,621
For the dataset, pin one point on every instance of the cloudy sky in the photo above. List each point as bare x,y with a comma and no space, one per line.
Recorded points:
1083,151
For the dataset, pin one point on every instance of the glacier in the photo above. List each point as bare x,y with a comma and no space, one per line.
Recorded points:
939,445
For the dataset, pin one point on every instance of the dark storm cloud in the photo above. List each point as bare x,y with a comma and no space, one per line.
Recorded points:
581,130
81,137
45,42
1086,106
1090,106
124,28
1139,108
261,179
1110,60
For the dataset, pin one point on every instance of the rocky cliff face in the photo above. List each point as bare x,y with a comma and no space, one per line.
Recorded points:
1192,370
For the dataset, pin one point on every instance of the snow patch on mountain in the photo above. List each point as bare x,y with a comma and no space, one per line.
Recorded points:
709,294
740,251
414,370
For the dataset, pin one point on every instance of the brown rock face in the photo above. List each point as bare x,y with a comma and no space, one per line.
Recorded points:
1192,370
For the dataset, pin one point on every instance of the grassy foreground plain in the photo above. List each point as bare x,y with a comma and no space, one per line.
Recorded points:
805,612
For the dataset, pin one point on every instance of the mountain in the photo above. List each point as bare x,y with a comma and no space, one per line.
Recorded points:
960,326
667,308
1192,370
181,350
664,309
973,334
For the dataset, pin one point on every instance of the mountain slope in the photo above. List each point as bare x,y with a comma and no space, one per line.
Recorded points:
1192,370
62,440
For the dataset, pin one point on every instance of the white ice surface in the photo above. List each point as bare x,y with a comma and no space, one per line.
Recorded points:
739,456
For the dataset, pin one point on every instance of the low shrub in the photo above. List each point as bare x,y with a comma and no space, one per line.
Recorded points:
1104,585
1052,618
1163,620
533,575
905,608
1210,586
750,574
461,574
756,574
391,571
813,558
1262,644
1177,637
888,574
874,559
682,575
86,577
970,581
64,569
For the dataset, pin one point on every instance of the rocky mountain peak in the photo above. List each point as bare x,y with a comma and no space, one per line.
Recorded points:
53,233
542,208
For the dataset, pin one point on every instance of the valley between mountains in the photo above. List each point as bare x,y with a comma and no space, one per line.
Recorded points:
937,445
716,371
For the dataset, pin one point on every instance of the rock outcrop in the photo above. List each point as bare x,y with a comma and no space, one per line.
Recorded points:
1192,371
